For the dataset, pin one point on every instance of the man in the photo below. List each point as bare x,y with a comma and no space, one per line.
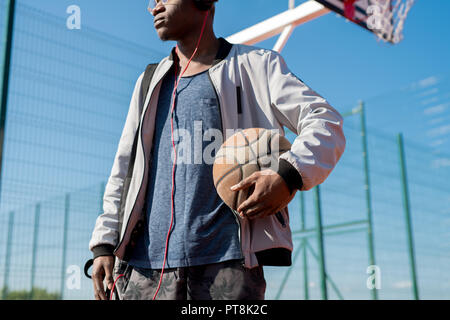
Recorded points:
210,253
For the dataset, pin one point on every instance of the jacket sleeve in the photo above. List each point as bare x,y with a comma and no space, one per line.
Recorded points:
106,234
320,140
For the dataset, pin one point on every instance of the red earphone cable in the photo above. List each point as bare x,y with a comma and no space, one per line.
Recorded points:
174,148
114,284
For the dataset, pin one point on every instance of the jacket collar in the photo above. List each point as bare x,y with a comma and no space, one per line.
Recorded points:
224,50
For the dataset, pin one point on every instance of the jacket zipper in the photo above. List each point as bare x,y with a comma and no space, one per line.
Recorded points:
239,235
218,101
140,187
234,212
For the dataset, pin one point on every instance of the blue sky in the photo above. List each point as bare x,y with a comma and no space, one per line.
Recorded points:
406,88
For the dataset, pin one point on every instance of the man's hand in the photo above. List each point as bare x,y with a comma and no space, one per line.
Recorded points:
102,269
270,194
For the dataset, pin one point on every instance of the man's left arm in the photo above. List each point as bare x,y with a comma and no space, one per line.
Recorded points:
319,144
320,140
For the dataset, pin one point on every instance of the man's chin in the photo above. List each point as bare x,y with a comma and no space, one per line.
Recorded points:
163,36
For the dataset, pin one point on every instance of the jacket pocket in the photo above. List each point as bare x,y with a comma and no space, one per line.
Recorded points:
239,106
122,268
281,219
238,99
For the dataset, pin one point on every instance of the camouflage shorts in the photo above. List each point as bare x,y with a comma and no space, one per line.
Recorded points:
228,280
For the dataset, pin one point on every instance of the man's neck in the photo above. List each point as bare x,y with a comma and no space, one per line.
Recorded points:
206,52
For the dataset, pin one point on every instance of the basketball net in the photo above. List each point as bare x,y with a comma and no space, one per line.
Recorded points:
386,18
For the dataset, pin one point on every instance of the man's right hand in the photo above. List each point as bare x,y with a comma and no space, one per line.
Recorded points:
102,269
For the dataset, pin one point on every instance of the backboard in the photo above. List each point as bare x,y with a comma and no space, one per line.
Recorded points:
384,18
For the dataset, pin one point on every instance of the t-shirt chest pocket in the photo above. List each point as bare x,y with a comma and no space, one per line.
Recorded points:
209,113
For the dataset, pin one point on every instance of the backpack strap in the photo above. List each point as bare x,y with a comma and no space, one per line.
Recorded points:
148,75
145,85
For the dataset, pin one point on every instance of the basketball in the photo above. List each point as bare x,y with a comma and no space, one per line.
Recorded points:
243,153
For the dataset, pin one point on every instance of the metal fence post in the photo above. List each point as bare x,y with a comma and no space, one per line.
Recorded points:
305,269
8,255
370,237
6,55
305,254
34,247
8,38
319,233
64,247
406,207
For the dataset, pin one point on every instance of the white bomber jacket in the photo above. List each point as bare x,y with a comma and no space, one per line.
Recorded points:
272,97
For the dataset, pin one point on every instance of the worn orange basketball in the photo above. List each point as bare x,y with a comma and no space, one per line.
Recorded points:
243,153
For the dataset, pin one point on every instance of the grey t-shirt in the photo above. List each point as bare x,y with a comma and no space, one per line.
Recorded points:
205,229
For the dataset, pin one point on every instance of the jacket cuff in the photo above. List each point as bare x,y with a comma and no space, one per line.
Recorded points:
103,250
290,175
